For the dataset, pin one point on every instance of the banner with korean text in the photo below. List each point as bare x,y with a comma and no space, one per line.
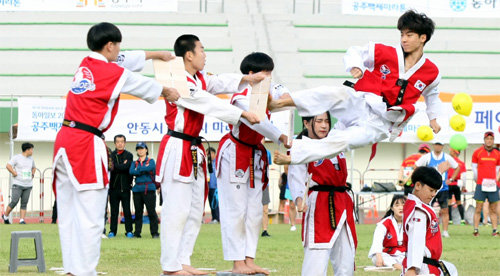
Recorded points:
40,119
90,5
441,8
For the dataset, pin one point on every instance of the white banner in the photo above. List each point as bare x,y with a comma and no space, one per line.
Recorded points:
89,5
40,119
441,8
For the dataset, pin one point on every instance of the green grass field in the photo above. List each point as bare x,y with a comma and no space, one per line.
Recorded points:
282,252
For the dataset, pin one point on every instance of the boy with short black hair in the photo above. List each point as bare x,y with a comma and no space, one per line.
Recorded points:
80,156
242,166
422,236
181,168
390,81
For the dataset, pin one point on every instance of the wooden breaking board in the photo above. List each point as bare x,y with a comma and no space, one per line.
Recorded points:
258,99
172,73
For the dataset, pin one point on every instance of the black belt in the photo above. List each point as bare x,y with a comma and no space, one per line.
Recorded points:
400,82
252,161
195,141
331,204
82,126
438,264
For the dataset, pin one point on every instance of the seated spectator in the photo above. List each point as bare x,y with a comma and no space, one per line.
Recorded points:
387,246
144,190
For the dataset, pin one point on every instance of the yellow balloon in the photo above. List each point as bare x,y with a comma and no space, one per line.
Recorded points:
425,133
462,103
457,122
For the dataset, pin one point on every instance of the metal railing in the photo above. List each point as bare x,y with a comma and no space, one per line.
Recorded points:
42,195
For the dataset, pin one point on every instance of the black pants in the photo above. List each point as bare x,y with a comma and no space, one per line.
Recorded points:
54,212
148,199
115,196
214,202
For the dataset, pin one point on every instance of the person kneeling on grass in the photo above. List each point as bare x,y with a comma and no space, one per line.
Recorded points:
421,235
387,246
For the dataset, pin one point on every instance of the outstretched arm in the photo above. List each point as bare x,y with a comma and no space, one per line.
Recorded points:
208,104
163,55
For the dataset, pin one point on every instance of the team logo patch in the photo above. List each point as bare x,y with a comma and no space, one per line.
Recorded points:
389,236
192,91
83,81
239,173
434,226
420,85
318,163
384,69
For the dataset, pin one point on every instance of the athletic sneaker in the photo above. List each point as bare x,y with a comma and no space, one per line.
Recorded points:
476,233
22,221
103,236
5,219
111,235
265,234
293,228
462,222
494,233
129,235
156,236
445,234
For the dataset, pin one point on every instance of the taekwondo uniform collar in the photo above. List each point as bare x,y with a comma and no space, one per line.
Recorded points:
193,77
96,55
416,199
401,64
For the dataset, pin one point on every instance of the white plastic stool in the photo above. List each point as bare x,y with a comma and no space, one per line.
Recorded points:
39,260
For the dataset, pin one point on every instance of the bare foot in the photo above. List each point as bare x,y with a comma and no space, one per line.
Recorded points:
192,270
251,264
281,159
239,267
178,272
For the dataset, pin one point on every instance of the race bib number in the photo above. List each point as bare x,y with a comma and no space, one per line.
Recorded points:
26,174
489,185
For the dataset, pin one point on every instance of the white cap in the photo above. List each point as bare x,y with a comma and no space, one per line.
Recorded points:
439,141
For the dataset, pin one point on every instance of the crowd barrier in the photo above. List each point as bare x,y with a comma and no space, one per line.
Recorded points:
369,206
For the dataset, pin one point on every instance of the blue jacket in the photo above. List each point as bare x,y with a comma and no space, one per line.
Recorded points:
144,173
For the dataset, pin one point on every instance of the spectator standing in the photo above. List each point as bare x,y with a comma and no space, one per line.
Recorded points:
22,167
441,161
485,166
120,186
266,199
407,167
285,197
457,185
213,197
144,190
